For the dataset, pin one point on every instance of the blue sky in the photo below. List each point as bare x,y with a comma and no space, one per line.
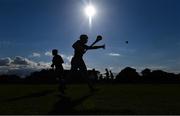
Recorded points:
29,29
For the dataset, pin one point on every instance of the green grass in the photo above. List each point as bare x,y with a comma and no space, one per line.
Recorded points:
110,99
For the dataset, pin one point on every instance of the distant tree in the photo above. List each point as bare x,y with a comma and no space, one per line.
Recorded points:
128,75
146,75
10,79
146,72
158,76
43,76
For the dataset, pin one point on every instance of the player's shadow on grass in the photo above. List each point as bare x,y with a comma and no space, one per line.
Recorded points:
66,105
33,95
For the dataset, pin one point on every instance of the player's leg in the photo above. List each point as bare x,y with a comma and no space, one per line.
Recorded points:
61,80
74,67
84,72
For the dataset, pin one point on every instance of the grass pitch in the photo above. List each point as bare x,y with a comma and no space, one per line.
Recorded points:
109,99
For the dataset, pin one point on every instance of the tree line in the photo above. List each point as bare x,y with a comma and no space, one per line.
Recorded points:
127,75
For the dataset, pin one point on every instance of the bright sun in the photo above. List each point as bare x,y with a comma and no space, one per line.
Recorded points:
90,12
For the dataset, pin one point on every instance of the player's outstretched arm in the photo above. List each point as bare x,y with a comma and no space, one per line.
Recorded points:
95,47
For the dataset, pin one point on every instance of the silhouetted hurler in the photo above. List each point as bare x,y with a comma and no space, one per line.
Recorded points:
107,74
77,62
59,70
111,75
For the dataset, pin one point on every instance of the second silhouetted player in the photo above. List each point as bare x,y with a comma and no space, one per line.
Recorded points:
77,62
59,70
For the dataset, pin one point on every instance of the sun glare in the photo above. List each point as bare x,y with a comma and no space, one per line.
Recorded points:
90,12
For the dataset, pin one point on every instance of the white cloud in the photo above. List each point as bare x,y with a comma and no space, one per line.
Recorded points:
36,54
115,54
5,61
123,49
67,66
157,67
21,66
21,61
65,57
44,65
151,67
111,68
69,58
48,53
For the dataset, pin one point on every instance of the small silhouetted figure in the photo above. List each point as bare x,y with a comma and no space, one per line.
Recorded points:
57,62
111,75
107,74
77,62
